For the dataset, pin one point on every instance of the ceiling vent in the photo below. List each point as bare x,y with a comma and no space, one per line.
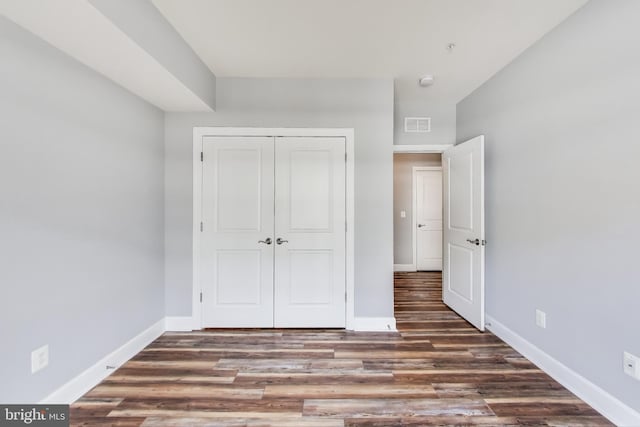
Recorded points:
417,124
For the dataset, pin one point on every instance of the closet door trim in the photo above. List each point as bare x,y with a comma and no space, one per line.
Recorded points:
195,321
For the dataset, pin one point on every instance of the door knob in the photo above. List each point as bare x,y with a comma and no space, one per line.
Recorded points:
422,225
281,241
267,241
475,242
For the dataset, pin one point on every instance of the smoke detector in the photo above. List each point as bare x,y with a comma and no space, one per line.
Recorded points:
426,81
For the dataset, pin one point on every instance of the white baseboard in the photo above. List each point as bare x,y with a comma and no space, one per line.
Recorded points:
616,411
375,324
179,324
78,386
404,267
85,381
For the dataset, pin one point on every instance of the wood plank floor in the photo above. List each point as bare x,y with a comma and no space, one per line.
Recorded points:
437,370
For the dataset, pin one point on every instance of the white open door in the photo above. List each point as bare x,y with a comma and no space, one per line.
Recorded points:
464,244
310,232
236,269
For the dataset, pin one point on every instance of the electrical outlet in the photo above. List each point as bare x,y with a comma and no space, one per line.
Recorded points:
631,365
541,318
39,358
403,214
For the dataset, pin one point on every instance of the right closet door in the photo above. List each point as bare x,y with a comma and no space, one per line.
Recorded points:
309,273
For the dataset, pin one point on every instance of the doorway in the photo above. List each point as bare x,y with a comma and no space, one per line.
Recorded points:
417,200
463,234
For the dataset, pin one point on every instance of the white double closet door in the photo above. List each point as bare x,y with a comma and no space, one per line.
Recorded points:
273,235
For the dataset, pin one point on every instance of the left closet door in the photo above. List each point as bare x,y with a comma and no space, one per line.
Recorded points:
238,227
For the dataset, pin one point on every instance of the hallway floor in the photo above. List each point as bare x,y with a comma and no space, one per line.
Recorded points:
437,370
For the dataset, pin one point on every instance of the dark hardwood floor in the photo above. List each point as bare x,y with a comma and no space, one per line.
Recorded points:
437,370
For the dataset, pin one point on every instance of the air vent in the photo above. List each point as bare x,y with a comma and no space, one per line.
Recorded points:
417,124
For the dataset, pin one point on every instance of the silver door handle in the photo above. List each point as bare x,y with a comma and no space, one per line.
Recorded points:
422,225
475,242
281,241
267,241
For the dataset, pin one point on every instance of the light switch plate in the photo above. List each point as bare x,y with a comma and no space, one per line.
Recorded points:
39,358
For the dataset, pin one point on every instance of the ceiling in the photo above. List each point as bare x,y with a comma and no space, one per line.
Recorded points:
82,31
402,39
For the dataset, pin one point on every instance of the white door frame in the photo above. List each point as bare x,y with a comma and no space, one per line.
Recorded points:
348,134
416,149
424,148
414,209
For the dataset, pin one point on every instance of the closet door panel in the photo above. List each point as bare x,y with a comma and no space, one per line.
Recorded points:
236,270
310,232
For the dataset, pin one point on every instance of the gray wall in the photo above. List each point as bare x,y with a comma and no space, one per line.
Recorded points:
412,100
563,204
366,105
148,27
81,215
403,200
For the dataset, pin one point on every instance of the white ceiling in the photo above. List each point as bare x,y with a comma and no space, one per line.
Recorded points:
402,39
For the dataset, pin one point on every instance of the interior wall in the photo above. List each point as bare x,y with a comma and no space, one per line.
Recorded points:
403,164
81,215
365,105
562,201
413,100
146,26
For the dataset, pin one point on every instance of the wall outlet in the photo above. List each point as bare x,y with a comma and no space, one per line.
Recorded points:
541,318
631,365
403,214
39,358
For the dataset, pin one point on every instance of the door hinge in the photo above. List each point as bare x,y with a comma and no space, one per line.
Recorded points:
202,156
345,227
345,157
483,242
200,296
201,226
345,297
